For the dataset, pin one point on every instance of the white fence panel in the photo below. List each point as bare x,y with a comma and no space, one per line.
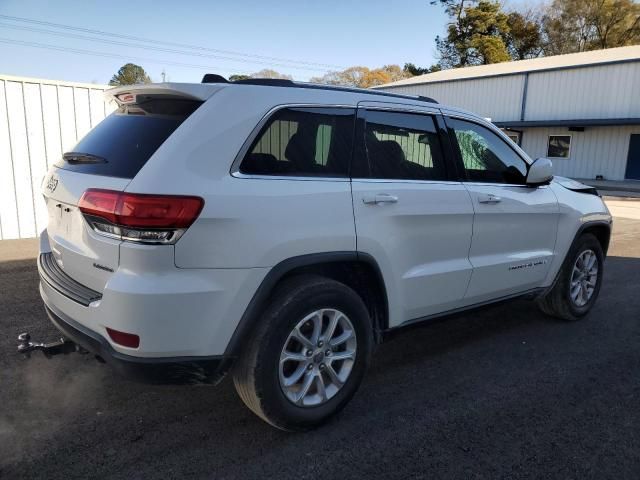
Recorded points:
82,110
51,123
8,208
39,120
20,158
37,152
67,117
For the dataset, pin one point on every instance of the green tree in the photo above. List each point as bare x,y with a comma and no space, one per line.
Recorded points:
579,25
412,70
524,38
129,74
233,78
350,77
475,34
394,72
268,73
616,23
363,77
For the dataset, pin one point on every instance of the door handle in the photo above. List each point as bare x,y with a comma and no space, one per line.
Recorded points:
489,199
379,198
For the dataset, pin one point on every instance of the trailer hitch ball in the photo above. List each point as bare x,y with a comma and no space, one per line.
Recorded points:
25,345
62,346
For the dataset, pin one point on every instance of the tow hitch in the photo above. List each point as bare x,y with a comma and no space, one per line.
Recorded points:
62,346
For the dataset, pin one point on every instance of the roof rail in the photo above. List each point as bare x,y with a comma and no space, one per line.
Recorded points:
269,82
279,82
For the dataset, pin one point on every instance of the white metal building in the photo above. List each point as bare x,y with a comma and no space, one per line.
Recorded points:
582,109
39,120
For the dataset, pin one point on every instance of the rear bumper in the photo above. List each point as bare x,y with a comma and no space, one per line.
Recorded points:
55,277
177,313
167,370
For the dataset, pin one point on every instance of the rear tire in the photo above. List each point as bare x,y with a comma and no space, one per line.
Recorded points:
296,325
578,284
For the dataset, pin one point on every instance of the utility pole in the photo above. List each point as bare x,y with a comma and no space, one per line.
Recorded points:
163,75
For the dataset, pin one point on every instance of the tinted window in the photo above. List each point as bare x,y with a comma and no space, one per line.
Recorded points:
403,146
121,144
486,157
303,142
559,146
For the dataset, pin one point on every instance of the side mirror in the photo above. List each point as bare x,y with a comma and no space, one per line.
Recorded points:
540,172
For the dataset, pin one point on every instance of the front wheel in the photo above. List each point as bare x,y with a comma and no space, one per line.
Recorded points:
579,281
308,355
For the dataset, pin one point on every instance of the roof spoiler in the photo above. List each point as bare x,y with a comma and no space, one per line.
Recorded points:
213,78
190,91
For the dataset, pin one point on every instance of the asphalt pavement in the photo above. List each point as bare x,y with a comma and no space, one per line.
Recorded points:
500,393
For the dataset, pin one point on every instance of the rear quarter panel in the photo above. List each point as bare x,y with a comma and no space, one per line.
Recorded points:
252,222
247,222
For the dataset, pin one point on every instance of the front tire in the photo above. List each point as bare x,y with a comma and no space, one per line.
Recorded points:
308,354
579,281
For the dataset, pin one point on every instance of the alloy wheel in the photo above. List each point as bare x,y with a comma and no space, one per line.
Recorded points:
584,278
317,357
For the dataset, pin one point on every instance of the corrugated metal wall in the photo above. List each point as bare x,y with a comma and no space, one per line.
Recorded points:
604,91
596,151
498,98
39,120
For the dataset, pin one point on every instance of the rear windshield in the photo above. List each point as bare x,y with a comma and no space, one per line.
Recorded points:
121,144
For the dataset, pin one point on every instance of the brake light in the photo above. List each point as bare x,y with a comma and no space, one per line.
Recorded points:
139,217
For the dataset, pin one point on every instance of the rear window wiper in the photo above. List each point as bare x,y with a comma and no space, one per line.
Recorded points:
76,158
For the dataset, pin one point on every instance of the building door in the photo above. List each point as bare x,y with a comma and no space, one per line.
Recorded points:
633,160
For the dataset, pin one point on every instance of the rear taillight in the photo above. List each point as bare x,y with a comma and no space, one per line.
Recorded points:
139,217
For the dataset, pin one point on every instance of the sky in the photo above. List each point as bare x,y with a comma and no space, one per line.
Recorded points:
300,38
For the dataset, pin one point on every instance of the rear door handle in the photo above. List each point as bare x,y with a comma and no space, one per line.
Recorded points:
379,198
489,199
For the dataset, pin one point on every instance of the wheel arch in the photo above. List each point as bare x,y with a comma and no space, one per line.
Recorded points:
358,270
599,229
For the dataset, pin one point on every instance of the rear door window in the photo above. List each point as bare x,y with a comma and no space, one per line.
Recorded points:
403,146
121,144
305,141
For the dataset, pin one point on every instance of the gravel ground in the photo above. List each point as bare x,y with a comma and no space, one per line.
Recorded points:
500,393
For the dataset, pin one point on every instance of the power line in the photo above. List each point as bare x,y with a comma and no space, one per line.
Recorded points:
111,55
162,42
157,49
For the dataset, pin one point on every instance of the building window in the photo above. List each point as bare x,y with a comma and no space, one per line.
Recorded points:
559,146
514,137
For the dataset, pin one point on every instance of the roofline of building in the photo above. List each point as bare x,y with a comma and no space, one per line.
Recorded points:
591,122
509,74
62,83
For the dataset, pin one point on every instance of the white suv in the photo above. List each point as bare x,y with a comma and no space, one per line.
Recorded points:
277,230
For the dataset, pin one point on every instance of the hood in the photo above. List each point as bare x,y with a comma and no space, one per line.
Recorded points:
574,185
